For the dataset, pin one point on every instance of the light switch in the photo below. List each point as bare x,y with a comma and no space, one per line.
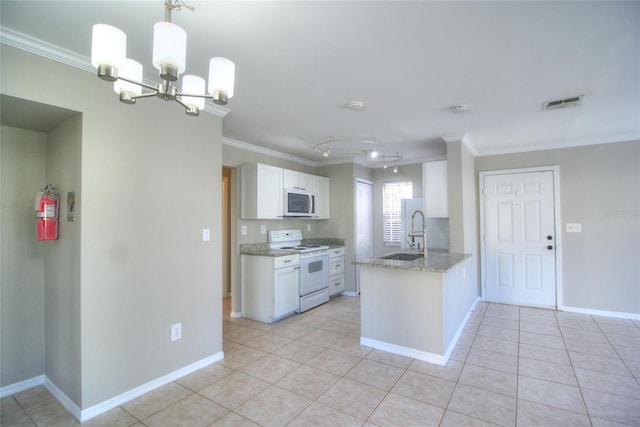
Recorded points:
574,228
263,229
308,227
206,234
244,230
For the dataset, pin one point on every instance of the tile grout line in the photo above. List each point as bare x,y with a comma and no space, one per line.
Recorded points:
584,402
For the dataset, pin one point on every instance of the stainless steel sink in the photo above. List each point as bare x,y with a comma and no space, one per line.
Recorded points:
403,257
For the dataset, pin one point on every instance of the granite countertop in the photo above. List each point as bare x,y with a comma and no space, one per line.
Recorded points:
263,249
435,262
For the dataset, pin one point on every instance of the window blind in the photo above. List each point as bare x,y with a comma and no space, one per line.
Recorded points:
392,193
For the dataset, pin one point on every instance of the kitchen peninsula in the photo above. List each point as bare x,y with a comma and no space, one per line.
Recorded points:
416,308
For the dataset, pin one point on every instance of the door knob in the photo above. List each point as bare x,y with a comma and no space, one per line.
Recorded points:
549,237
550,247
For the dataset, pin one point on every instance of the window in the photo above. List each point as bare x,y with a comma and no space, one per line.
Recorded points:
392,193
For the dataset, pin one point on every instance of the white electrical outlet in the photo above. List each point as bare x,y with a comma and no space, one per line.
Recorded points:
263,229
243,230
308,227
206,234
176,331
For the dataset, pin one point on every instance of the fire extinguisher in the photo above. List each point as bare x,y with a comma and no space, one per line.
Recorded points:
47,204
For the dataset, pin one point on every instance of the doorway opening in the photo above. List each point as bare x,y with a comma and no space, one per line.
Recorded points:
364,223
226,232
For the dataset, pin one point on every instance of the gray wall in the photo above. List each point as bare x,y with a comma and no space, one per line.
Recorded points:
463,213
62,262
150,182
599,188
22,174
342,222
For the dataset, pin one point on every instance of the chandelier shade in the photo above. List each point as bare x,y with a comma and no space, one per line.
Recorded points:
221,76
193,85
169,50
108,46
109,57
131,70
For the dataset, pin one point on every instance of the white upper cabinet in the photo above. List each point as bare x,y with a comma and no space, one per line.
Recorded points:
298,180
436,196
261,188
262,191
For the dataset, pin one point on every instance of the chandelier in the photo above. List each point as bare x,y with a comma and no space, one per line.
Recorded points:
108,55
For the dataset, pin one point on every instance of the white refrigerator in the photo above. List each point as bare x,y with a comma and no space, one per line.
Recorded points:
407,208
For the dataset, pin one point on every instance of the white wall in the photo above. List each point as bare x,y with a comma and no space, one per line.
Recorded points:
150,182
600,189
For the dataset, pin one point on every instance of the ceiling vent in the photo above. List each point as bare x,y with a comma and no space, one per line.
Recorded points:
563,103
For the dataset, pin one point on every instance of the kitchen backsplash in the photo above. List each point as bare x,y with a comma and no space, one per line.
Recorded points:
437,233
327,241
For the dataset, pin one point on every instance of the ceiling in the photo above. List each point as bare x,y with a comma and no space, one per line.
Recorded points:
299,63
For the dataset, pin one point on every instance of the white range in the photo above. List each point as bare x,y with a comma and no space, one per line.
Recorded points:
314,266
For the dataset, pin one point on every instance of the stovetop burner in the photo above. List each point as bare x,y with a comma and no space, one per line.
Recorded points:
290,240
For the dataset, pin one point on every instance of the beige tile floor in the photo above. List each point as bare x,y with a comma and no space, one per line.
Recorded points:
512,366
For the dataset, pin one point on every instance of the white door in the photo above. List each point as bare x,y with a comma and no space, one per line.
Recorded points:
519,238
364,224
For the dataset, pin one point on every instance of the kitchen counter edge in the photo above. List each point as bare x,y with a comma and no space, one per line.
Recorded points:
263,249
435,262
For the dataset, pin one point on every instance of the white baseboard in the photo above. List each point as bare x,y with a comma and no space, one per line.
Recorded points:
235,314
618,314
404,351
349,293
14,388
419,354
125,397
63,398
86,414
456,337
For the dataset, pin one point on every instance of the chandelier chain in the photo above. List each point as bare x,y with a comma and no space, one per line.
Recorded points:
176,5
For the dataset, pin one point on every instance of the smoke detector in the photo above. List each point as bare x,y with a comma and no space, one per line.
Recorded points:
459,109
355,105
563,103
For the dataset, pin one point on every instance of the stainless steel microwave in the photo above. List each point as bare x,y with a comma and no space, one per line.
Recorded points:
299,202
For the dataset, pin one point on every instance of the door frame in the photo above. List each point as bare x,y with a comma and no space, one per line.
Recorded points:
355,226
557,225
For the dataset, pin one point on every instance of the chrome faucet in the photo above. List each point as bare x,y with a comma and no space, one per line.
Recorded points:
417,233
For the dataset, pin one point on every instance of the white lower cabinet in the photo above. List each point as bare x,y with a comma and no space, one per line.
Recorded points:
269,287
336,270
286,281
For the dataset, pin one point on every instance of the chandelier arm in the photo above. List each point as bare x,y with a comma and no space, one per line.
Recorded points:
138,83
146,95
195,95
191,110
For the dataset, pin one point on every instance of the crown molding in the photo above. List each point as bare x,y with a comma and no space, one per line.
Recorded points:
559,145
266,151
56,53
464,139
